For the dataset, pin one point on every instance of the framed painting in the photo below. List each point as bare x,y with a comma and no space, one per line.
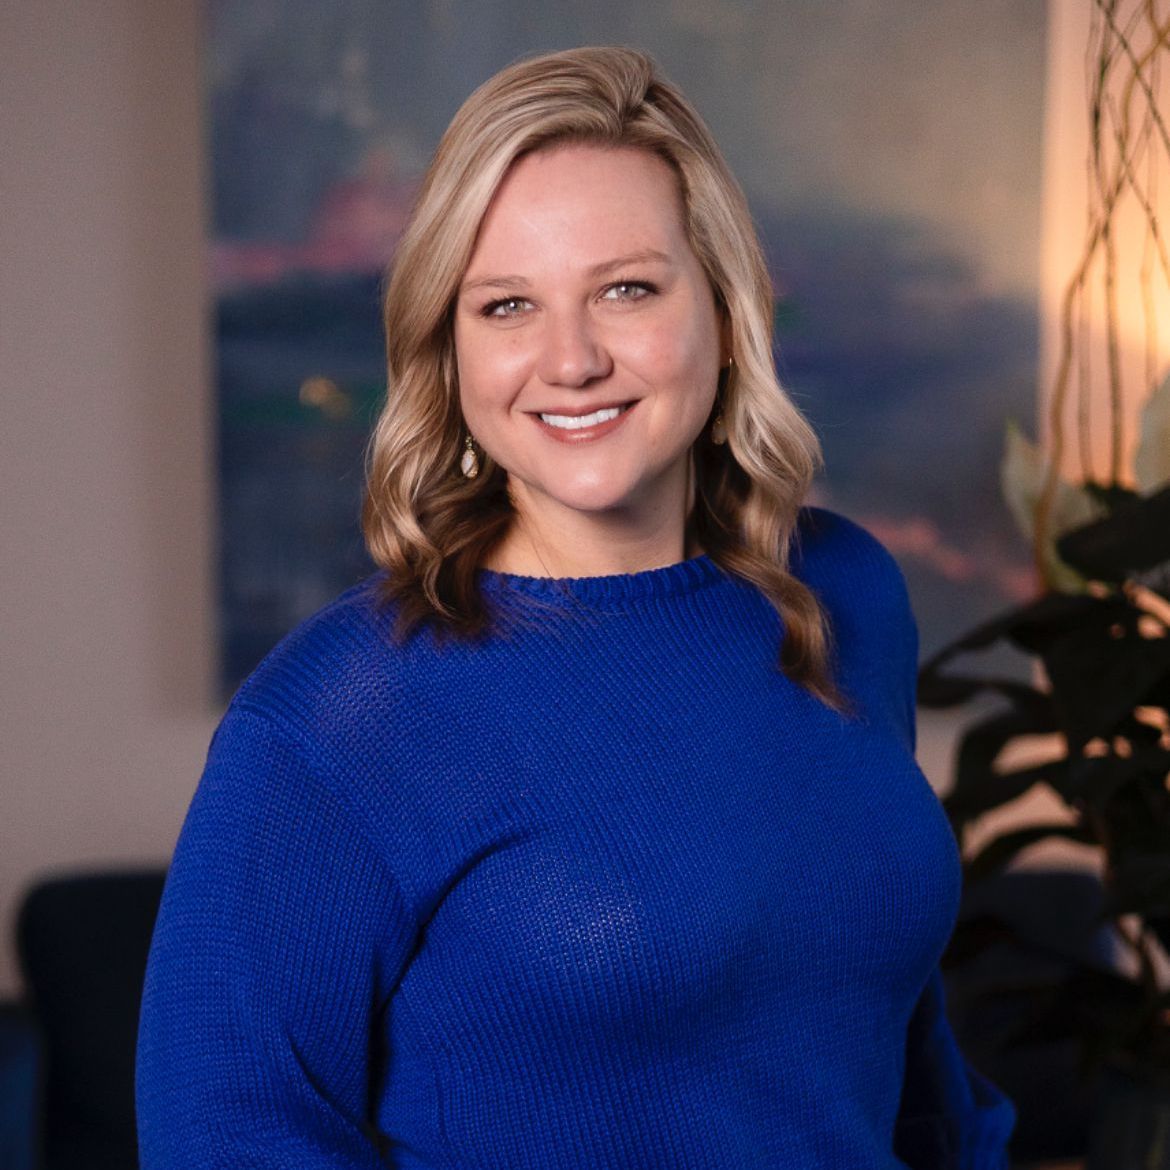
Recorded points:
891,155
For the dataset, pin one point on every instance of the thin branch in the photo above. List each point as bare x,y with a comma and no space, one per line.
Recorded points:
1084,387
1073,290
1112,315
1151,241
1153,227
1109,39
1153,254
1161,41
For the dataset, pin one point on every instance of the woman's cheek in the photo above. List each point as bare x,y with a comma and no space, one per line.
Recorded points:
490,371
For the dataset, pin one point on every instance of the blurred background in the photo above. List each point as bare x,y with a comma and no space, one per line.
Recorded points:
197,201
892,158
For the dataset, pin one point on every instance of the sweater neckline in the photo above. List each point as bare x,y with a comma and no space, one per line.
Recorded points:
681,577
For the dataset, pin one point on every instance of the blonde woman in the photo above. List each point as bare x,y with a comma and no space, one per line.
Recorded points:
588,832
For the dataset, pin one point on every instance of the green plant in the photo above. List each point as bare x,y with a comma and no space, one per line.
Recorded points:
1103,643
1099,632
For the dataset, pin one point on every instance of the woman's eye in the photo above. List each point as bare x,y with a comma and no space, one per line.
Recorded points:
628,290
509,307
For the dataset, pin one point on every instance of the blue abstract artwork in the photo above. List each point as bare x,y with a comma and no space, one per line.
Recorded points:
891,155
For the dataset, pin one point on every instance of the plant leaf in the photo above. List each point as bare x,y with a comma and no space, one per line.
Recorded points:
1151,462
977,787
1032,627
1022,473
1102,670
996,854
1140,884
1001,788
936,689
1134,537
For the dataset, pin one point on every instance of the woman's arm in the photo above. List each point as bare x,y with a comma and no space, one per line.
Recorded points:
281,931
951,1118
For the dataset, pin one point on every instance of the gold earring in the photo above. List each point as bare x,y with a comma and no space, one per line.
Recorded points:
718,426
469,464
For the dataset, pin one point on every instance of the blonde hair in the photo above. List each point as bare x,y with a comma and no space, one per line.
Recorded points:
429,526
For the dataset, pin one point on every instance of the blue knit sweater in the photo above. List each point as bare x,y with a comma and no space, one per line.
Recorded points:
604,891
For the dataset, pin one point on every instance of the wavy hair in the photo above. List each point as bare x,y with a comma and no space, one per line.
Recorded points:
429,526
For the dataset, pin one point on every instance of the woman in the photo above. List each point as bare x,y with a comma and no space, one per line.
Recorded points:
588,833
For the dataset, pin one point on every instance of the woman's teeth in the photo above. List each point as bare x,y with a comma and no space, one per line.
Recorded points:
573,422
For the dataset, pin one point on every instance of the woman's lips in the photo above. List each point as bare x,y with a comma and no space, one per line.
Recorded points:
581,428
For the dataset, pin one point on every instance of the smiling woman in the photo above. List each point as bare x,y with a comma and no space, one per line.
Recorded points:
592,379
484,232
571,838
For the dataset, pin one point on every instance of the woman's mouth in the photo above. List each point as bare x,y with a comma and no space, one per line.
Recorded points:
580,427
573,422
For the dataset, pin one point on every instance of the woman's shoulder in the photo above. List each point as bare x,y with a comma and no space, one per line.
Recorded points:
868,604
828,546
856,578
327,660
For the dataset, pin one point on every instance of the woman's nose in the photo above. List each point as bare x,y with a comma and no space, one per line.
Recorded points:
571,352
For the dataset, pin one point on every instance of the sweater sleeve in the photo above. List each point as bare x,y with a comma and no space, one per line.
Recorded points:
951,1117
281,931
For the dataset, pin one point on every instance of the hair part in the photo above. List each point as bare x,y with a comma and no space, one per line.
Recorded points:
430,527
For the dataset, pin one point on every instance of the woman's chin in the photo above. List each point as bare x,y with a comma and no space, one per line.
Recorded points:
600,501
606,498
584,494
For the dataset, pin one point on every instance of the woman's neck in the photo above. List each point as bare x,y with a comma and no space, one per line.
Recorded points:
592,547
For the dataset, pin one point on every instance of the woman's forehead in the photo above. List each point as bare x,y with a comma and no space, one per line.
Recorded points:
581,199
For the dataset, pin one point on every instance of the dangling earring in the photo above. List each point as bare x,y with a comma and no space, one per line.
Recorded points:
469,464
718,426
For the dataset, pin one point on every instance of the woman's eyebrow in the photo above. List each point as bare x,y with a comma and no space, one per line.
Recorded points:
606,266
640,257
494,282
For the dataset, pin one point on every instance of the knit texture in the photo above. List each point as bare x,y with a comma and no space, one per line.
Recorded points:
602,890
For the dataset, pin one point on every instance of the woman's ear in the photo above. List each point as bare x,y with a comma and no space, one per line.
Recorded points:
726,341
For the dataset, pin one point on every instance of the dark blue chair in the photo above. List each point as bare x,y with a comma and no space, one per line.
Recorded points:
67,1052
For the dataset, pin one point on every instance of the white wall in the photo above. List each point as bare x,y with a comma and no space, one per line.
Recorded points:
106,622
106,626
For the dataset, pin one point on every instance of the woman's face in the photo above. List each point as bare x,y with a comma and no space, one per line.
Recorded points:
587,337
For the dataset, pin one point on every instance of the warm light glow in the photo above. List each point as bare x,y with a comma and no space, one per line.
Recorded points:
327,396
1142,305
